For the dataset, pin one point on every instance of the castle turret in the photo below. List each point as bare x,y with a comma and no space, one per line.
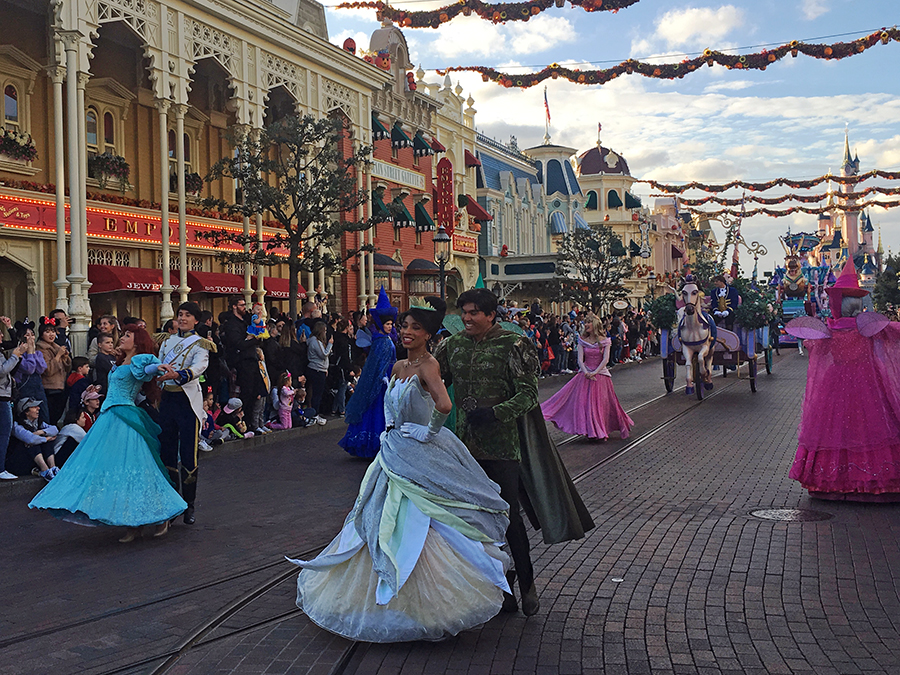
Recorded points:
849,167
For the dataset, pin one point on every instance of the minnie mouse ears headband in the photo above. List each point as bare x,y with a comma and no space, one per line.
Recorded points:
49,322
21,326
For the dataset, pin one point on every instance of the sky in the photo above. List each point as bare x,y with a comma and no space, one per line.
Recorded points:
713,126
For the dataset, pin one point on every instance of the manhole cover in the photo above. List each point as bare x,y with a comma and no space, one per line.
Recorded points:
791,515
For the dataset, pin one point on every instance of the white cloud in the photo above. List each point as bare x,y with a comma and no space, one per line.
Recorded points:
813,9
361,38
698,26
729,85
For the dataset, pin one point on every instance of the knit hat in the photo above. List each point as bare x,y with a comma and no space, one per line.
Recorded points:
232,405
847,285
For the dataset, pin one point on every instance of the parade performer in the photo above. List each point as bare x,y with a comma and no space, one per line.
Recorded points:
419,555
725,299
181,409
115,476
849,436
588,405
494,373
365,411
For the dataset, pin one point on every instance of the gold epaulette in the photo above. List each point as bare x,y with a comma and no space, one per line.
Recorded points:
159,338
208,345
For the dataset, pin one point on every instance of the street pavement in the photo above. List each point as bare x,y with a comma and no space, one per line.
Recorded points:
677,576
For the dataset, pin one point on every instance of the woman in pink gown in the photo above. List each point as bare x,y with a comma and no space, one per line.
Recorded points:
587,405
849,438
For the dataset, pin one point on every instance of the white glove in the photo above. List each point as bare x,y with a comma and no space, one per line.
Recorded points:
417,431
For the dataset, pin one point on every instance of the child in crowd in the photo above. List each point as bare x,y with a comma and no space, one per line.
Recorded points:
285,402
70,435
208,435
78,381
89,408
106,359
231,419
301,414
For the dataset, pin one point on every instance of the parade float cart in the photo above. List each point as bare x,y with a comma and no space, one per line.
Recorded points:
732,349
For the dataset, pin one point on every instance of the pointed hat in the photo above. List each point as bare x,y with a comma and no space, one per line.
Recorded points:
383,310
846,285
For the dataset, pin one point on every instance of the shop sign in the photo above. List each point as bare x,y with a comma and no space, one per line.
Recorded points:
463,244
397,174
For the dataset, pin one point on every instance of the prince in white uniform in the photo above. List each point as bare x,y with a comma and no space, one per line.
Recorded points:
181,410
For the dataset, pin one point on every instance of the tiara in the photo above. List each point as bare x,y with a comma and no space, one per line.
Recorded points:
420,303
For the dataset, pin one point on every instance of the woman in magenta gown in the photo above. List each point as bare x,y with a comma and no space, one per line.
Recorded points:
587,405
849,437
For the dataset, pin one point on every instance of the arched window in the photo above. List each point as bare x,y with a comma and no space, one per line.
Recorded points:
92,132
187,154
109,134
11,107
173,163
591,204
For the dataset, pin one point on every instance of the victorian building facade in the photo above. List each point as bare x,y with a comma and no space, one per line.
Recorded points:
93,85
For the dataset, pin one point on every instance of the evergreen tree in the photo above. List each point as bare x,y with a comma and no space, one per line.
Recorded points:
592,265
300,172
886,294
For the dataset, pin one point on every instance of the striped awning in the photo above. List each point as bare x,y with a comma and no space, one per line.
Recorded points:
558,223
580,222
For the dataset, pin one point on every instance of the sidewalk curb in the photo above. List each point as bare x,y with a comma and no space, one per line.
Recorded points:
31,485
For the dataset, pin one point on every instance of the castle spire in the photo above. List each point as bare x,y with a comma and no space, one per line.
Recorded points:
880,250
847,157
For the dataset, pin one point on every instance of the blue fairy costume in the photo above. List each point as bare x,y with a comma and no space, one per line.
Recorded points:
115,476
365,411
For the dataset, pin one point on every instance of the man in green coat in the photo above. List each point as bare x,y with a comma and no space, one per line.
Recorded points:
494,373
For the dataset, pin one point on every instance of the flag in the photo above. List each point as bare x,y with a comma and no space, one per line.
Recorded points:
546,105
599,128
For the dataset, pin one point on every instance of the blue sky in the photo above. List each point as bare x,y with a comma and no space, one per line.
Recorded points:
712,126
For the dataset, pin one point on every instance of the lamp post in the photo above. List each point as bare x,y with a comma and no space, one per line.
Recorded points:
651,282
442,256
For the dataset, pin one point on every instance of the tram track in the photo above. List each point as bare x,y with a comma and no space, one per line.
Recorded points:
203,634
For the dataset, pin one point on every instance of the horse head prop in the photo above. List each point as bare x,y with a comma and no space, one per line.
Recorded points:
697,334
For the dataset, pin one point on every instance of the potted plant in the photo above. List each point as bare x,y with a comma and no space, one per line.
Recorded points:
17,145
193,183
753,315
108,166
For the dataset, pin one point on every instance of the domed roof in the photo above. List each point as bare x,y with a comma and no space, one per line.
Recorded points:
599,160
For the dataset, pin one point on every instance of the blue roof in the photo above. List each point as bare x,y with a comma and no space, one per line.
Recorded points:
561,178
492,167
580,223
573,181
558,223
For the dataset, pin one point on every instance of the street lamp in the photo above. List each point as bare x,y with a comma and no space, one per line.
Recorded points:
442,256
651,282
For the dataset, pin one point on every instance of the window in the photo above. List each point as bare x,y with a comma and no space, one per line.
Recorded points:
396,233
418,238
234,268
173,163
109,134
11,107
396,281
195,263
422,285
173,160
109,256
92,133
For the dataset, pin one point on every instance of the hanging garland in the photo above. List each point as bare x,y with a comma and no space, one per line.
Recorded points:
670,71
793,209
768,185
806,199
495,13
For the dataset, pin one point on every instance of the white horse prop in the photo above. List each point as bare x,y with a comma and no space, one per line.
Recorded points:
697,334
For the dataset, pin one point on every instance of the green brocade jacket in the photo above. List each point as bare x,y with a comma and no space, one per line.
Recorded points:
500,372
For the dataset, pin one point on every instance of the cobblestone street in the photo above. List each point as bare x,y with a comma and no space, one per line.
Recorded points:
677,576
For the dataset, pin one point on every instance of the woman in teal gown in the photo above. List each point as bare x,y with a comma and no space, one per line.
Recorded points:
114,476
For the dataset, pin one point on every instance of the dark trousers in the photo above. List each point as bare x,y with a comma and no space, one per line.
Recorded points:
505,473
56,401
315,385
178,440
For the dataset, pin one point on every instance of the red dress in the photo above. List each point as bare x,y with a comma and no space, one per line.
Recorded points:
589,406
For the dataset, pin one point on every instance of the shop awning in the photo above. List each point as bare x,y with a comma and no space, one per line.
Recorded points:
613,200
634,249
591,203
558,223
402,217
280,288
471,160
422,265
580,222
215,283
399,139
421,146
677,252
112,279
424,222
379,210
437,146
379,131
632,202
474,209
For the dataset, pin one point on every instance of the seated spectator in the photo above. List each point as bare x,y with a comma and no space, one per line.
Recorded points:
208,436
69,436
301,414
78,381
231,419
29,448
90,407
106,359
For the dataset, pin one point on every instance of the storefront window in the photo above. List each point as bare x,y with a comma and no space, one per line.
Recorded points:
11,107
422,285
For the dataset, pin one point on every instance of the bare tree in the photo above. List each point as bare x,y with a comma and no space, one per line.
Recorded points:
592,265
302,173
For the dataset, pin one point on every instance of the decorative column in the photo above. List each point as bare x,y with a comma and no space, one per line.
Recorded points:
321,274
260,284
248,268
166,311
370,257
57,76
183,288
76,277
361,211
82,183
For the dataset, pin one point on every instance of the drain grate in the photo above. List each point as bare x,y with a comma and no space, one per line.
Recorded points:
791,515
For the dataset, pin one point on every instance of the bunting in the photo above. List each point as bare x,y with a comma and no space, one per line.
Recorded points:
806,199
779,213
768,185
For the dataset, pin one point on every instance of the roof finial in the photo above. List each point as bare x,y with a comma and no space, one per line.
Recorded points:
599,129
847,157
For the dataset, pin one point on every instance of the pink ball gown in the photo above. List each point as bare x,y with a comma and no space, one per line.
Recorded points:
849,437
585,406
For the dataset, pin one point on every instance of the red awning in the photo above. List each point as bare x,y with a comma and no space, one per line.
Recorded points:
676,252
110,279
215,283
437,146
474,209
471,160
280,288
